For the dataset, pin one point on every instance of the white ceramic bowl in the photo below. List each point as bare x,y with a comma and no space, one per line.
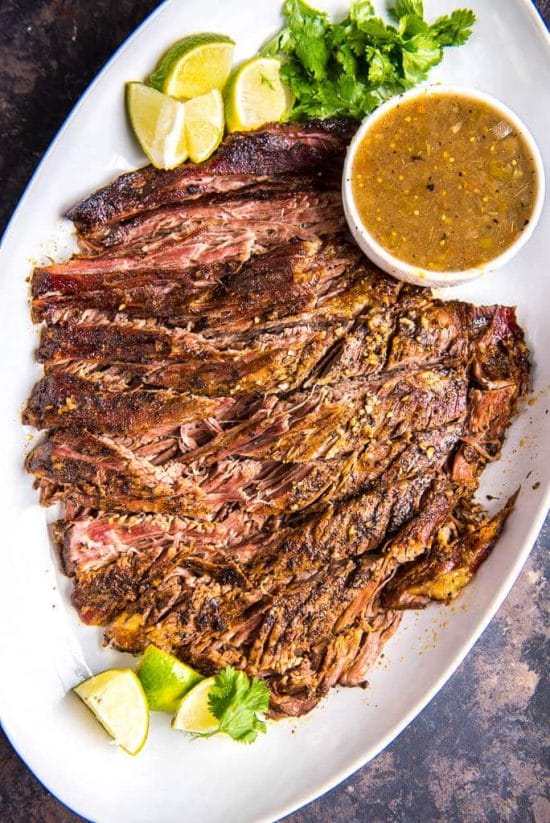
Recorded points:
412,273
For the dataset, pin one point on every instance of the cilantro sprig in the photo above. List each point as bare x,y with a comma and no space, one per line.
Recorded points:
350,67
239,704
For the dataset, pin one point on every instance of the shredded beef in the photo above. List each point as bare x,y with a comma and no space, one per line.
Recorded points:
265,448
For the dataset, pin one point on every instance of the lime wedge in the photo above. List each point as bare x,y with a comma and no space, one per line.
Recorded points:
194,66
255,95
118,701
204,124
158,122
194,715
165,679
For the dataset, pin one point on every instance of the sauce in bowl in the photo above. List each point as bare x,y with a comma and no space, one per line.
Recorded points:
444,181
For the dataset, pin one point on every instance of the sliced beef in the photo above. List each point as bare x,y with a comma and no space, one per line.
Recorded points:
273,217
63,400
386,503
293,278
165,357
213,236
415,331
242,161
499,379
265,449
331,421
209,246
284,625
103,472
460,547
98,550
109,554
277,358
99,472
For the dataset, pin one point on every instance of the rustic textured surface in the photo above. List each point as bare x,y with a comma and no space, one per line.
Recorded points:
478,752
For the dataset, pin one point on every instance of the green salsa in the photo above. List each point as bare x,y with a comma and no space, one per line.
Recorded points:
444,182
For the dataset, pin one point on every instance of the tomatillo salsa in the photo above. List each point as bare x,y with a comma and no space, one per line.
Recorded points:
444,182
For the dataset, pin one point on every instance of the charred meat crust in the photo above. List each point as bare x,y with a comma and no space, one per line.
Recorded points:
460,547
242,161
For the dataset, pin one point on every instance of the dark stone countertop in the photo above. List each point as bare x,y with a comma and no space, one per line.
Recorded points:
479,751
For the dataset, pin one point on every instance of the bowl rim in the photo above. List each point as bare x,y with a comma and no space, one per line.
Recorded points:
410,272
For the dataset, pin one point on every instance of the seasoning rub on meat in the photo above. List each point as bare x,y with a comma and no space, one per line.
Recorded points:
266,449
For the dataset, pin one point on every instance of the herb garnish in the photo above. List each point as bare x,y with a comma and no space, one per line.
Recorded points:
349,68
239,704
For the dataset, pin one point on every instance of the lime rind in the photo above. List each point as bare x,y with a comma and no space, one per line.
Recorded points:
117,700
165,679
166,78
194,715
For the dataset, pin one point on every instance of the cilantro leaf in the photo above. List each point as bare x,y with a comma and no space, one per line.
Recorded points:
347,68
454,29
347,60
381,69
376,28
404,7
421,54
239,704
307,31
411,25
360,11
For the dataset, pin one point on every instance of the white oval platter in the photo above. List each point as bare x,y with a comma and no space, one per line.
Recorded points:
43,647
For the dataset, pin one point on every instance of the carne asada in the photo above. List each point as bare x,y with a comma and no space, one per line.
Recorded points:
265,449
